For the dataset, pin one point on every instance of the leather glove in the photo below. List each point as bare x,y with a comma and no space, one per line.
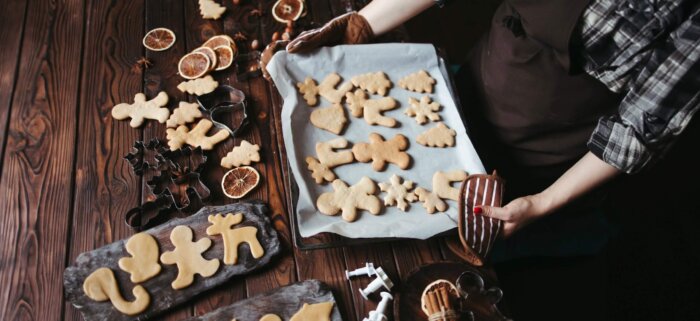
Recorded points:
267,54
350,28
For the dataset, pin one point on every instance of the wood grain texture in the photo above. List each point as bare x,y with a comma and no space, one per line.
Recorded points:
283,302
105,186
12,23
38,161
163,295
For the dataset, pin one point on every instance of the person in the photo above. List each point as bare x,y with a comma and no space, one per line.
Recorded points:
561,96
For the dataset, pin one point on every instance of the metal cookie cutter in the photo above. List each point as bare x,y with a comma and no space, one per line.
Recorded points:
225,100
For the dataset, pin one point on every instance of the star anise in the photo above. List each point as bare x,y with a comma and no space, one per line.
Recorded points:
240,36
144,62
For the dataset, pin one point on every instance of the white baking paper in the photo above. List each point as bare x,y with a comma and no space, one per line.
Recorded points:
300,137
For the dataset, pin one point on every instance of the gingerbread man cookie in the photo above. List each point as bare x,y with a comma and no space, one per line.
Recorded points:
380,151
438,136
423,110
371,108
348,200
143,109
197,137
188,257
243,154
143,263
419,82
373,82
330,118
328,158
398,193
309,90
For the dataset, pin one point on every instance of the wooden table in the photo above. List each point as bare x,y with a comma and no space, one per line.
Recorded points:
65,186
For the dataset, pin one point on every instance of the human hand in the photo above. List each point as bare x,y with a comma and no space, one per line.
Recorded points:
519,212
350,28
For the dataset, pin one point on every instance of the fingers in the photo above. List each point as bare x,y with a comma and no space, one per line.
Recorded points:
305,42
500,213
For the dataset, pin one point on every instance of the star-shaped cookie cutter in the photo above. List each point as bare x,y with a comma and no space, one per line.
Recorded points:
225,100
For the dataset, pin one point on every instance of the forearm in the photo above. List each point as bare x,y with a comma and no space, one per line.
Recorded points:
587,174
384,15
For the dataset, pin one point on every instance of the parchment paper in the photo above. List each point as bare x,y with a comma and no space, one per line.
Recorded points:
300,137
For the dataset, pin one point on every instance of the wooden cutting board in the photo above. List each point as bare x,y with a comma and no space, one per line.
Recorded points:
163,296
284,302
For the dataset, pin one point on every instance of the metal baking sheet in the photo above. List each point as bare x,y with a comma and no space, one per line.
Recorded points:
300,137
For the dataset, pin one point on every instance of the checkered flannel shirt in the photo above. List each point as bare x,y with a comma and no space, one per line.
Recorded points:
648,50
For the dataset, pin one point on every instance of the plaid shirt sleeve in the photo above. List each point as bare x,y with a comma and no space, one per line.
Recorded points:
650,52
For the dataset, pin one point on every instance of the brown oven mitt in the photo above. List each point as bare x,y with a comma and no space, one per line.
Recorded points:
350,28
477,232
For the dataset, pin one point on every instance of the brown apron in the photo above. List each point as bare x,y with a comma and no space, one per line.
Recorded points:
529,114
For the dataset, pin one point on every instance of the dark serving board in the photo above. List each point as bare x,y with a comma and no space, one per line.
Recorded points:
284,302
163,297
407,306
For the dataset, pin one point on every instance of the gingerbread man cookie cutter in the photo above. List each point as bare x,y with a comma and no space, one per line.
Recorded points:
225,100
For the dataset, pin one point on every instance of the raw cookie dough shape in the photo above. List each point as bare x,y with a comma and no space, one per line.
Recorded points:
430,200
188,257
316,312
309,90
397,193
143,263
347,200
372,109
197,137
270,317
101,285
143,109
380,152
221,225
330,118
210,9
419,81
243,154
327,88
373,82
423,110
328,158
438,136
199,86
183,114
442,183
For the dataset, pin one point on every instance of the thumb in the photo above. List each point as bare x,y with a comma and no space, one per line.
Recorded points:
500,213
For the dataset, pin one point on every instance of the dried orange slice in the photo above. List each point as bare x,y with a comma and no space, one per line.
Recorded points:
159,39
240,181
210,53
193,65
287,10
224,54
216,41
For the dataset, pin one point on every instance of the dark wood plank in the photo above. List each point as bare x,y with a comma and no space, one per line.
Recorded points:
283,302
39,160
106,188
11,18
163,295
411,254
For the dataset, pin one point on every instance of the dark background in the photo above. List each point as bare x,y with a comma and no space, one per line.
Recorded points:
650,269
